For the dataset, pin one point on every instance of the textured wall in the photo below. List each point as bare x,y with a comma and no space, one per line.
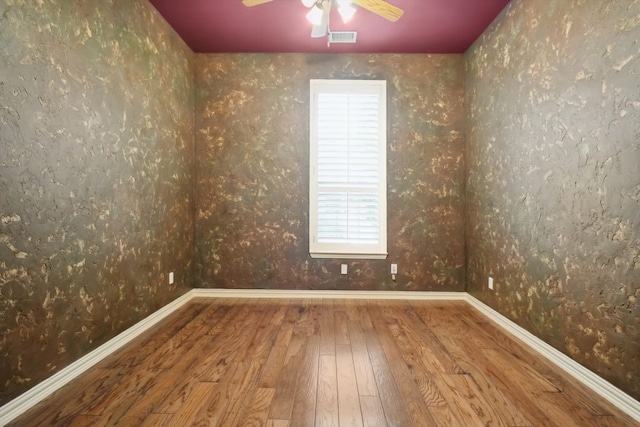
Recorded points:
553,179
96,171
252,156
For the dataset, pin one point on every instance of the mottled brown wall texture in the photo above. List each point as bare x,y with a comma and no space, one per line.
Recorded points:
253,166
553,177
96,177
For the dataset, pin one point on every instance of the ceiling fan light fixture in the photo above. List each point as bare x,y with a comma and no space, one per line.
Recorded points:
308,3
315,15
346,12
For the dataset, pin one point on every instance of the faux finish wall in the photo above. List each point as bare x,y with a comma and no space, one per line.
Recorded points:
553,178
252,161
96,153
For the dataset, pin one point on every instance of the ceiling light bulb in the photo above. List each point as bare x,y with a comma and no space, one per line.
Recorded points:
346,12
309,3
315,15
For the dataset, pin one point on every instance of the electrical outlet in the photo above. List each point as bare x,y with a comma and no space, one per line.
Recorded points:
490,283
343,269
394,268
171,278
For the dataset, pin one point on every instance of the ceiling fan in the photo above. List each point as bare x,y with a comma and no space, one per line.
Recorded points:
320,9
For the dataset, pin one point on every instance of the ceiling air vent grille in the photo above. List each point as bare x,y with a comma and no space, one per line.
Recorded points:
343,37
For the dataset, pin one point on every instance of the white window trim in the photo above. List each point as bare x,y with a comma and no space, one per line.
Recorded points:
338,250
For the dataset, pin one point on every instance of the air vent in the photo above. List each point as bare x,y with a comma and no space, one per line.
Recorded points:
343,37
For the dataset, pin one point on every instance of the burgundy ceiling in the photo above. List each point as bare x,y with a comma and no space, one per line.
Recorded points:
427,26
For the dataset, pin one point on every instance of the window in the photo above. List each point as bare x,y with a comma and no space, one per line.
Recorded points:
348,185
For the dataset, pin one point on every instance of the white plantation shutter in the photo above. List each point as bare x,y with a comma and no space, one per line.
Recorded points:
348,169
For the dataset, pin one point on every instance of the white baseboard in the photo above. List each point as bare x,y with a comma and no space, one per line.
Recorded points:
599,385
39,392
331,294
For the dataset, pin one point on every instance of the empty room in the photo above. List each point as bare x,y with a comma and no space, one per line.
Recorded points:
320,213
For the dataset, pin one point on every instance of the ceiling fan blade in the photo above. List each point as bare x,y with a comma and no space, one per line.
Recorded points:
323,29
381,8
251,3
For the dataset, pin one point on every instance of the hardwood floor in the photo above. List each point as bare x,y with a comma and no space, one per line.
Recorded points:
277,363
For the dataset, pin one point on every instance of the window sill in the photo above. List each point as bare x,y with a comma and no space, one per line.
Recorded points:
347,256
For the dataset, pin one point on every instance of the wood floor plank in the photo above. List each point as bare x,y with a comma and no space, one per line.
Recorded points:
394,409
151,342
536,398
315,314
256,359
351,308
148,373
362,363
277,423
217,351
238,400
421,368
327,329
468,394
482,342
215,406
494,396
241,398
482,366
439,391
286,327
157,420
258,409
340,304
349,413
177,379
304,405
342,328
273,366
575,392
74,398
253,341
423,336
170,352
281,309
327,404
445,417
363,315
424,379
83,421
213,357
578,395
114,404
237,336
503,396
304,362
262,343
372,412
187,412
416,407
303,321
520,371
282,404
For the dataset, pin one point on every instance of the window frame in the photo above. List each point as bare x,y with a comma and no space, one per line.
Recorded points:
348,250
